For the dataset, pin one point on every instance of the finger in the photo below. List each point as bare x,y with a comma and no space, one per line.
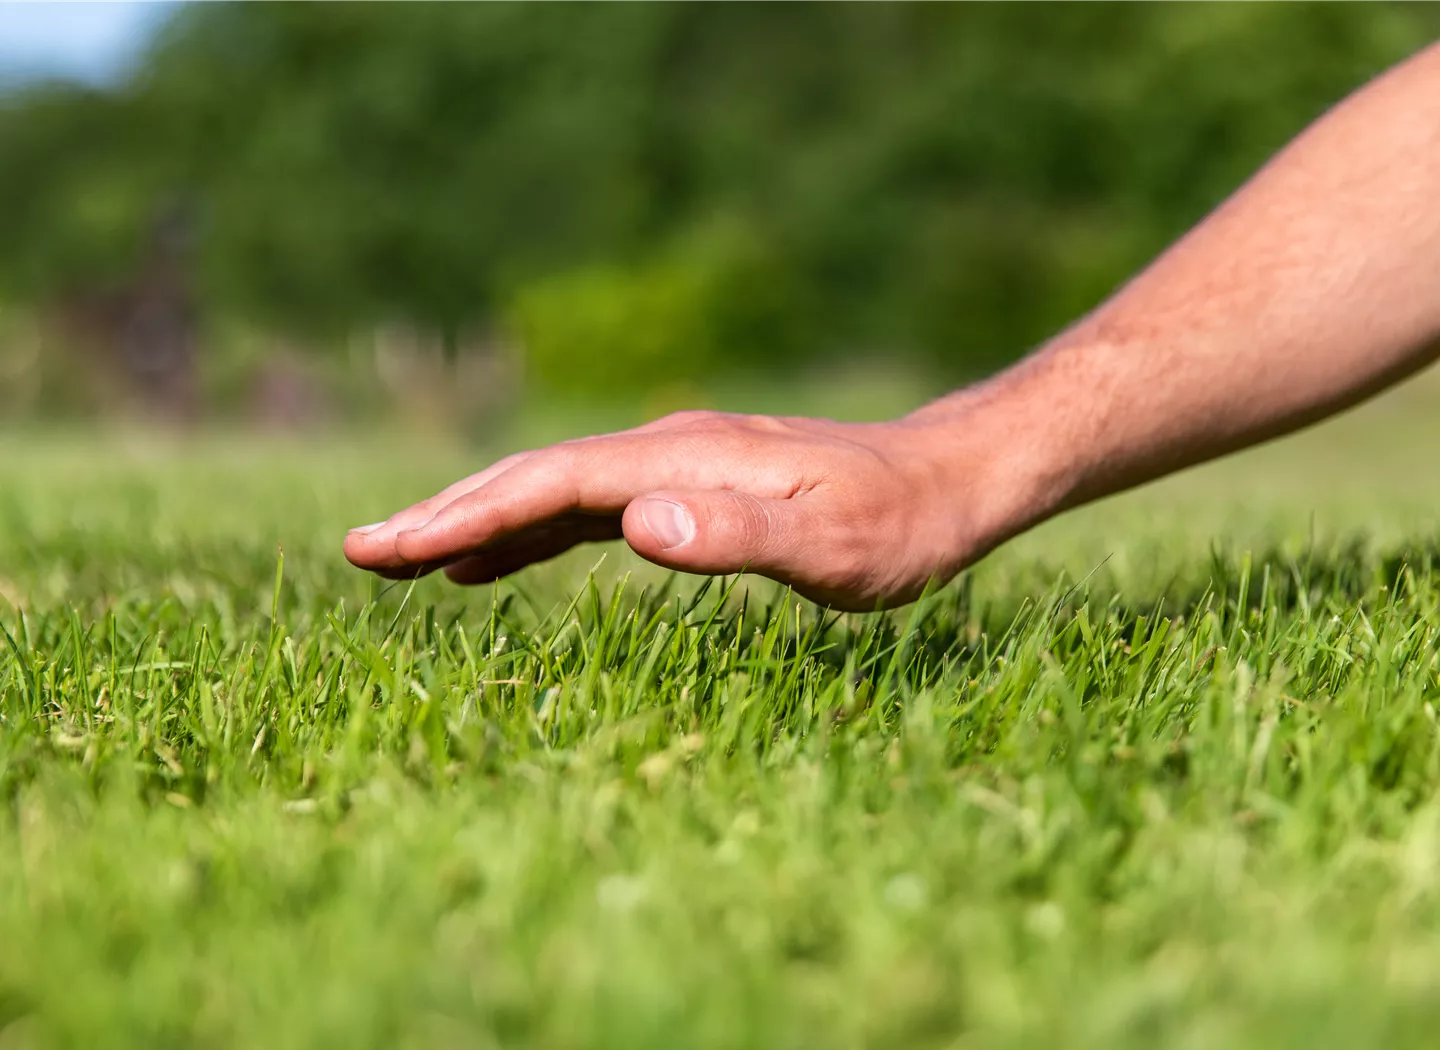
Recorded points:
723,531
801,541
537,545
408,572
600,477
373,546
422,511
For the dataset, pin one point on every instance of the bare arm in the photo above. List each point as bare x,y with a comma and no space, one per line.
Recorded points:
1314,286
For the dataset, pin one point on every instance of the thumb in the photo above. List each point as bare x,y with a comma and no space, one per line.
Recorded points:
717,532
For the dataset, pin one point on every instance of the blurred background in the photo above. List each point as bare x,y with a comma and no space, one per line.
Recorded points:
454,217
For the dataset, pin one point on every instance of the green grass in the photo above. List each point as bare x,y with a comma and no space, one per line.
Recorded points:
1165,773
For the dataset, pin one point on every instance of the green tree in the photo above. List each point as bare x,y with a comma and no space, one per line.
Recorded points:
950,181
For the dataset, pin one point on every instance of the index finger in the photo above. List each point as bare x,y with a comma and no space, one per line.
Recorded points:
373,546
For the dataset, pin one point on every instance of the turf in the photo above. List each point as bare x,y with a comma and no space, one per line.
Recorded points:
1163,774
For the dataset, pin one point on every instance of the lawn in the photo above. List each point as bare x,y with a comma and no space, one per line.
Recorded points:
1163,773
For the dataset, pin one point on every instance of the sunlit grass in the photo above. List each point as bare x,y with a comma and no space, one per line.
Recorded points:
1163,773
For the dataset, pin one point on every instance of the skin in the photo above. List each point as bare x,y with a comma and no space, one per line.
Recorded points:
1314,286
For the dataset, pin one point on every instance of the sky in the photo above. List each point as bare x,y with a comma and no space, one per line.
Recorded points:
86,41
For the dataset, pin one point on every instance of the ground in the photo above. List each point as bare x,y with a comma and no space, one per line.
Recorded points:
1165,772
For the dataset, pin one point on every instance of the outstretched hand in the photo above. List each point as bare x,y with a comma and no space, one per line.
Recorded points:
856,516
1309,290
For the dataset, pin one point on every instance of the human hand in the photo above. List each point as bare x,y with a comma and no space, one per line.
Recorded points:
855,516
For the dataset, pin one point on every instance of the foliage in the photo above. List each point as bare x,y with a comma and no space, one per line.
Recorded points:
715,300
954,180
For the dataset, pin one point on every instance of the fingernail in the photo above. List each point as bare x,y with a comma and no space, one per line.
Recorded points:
365,529
668,522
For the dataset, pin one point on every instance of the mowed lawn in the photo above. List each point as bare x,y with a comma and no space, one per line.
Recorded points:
1163,773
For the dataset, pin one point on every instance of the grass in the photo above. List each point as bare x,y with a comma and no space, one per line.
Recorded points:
1166,772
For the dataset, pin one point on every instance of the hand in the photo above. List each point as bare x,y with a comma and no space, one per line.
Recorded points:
855,516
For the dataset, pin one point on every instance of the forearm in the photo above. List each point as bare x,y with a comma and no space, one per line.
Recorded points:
1314,286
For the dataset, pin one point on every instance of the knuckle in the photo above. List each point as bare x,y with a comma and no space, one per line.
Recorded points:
558,458
554,466
765,424
689,417
753,524
410,545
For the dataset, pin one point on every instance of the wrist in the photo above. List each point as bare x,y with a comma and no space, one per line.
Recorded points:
998,457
